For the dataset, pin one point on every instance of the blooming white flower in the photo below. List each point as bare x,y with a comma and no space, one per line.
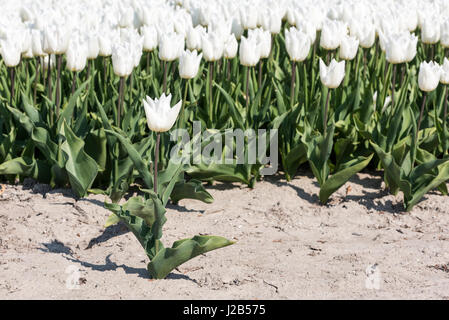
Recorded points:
331,76
348,47
429,76
297,44
189,63
160,116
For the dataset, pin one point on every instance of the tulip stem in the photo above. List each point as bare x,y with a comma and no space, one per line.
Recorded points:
58,84
326,111
148,62
183,104
421,113
260,74
393,83
12,72
165,78
89,66
247,87
445,104
36,79
120,98
211,98
228,69
156,159
364,63
74,82
292,84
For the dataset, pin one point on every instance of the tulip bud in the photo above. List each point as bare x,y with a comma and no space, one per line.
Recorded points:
331,76
444,34
189,63
429,76
194,37
150,40
297,44
160,116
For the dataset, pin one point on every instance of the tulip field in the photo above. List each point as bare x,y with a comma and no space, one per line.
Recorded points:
91,90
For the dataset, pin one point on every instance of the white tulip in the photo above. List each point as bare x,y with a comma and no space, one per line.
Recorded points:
194,37
189,63
430,32
150,40
349,47
332,33
444,78
444,34
213,47
331,76
249,52
297,43
122,61
230,47
160,116
263,39
76,55
170,46
10,52
429,76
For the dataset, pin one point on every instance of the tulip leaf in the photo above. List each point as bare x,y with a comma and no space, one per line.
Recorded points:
81,168
168,259
341,177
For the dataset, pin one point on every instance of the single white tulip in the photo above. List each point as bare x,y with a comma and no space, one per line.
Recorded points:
37,43
297,43
444,34
194,37
331,34
150,40
160,116
76,55
10,52
230,47
213,47
331,76
364,31
249,52
189,63
444,78
429,76
430,32
170,46
93,47
263,39
348,47
122,61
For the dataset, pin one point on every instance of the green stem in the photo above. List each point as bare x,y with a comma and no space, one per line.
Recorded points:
423,105
183,104
292,84
58,84
326,112
156,159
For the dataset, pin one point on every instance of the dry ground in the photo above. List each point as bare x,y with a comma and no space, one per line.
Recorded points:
288,246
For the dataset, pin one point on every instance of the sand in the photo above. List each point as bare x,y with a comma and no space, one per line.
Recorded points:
359,246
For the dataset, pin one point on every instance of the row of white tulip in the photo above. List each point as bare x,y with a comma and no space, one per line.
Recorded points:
85,30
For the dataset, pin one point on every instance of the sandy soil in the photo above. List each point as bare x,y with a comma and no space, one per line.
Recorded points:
360,246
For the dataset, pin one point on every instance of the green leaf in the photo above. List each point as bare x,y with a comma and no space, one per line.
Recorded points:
340,178
193,189
81,168
168,259
136,159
